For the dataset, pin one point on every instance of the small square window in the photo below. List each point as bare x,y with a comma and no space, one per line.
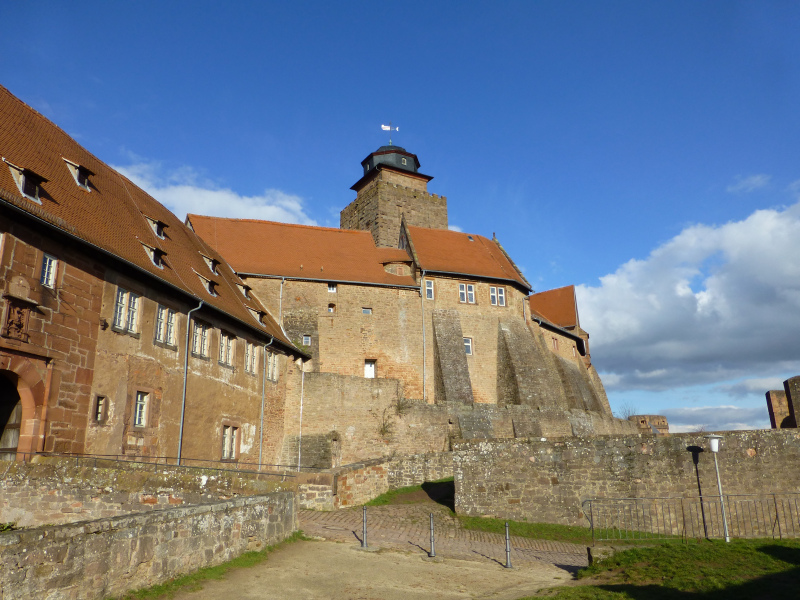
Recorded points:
366,310
48,277
332,288
140,409
100,409
331,308
369,369
429,289
306,340
468,346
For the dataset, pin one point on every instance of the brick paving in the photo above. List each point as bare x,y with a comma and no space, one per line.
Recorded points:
407,528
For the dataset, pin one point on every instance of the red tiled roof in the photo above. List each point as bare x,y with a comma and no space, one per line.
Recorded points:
557,306
440,250
299,251
112,215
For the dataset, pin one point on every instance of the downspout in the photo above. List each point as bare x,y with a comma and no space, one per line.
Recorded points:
263,391
300,438
422,307
185,376
280,304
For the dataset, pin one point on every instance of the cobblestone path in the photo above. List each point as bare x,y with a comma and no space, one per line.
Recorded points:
407,528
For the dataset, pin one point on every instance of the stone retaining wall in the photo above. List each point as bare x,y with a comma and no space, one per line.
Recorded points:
108,557
546,481
53,491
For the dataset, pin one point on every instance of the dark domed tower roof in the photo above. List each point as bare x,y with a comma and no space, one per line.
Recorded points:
393,156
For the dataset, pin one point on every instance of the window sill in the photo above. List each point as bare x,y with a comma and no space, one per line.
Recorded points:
200,357
226,366
165,345
133,334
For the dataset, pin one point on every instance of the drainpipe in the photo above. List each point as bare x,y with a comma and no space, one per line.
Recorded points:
263,390
280,304
185,376
300,439
422,307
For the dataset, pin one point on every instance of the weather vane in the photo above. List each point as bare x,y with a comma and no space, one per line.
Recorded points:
390,129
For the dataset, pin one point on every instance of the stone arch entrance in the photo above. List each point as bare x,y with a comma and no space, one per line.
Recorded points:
10,416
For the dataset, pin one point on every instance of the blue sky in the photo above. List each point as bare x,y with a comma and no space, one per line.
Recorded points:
644,151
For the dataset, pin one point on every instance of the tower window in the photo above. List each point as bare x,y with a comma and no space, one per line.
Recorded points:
366,310
466,293
332,288
306,340
140,409
331,308
429,289
497,296
369,369
468,346
403,160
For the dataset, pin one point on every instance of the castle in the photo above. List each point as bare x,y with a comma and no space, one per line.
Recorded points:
128,333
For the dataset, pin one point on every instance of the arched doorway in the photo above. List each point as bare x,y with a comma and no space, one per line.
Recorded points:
10,416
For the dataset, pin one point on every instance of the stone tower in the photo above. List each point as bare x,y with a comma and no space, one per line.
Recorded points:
390,189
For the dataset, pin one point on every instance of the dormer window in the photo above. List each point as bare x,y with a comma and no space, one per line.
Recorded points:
80,174
211,263
256,314
28,182
210,286
403,161
245,289
156,255
470,238
157,226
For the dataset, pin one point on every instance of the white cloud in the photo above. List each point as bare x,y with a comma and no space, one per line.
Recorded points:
744,185
749,387
183,191
455,228
712,305
714,418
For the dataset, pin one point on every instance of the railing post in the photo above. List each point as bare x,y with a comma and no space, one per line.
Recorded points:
432,553
591,520
508,549
777,517
364,530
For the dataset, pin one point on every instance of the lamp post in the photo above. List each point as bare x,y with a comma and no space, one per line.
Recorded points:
713,442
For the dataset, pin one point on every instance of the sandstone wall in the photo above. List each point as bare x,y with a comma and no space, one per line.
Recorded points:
108,557
546,480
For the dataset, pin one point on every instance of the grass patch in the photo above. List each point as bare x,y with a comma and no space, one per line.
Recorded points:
540,531
742,569
194,581
396,496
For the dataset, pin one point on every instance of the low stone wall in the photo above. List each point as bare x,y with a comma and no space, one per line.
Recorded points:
546,481
54,491
108,557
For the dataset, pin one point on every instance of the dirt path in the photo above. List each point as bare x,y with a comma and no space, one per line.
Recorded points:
468,564
339,571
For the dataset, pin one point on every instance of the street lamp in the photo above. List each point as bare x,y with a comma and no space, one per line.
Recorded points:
713,442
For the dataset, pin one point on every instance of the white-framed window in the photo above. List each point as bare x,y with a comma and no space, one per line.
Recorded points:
27,181
332,288
126,311
466,293
230,439
100,409
211,263
468,345
140,409
200,338
497,296
429,289
272,366
80,174
157,226
250,358
306,340
403,160
49,265
366,310
155,255
226,348
210,286
369,369
165,325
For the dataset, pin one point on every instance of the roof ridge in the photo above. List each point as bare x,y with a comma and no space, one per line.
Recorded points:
337,229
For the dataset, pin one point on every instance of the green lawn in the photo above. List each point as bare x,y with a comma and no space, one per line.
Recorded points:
699,570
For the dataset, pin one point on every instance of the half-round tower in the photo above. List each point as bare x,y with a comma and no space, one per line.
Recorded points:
391,187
